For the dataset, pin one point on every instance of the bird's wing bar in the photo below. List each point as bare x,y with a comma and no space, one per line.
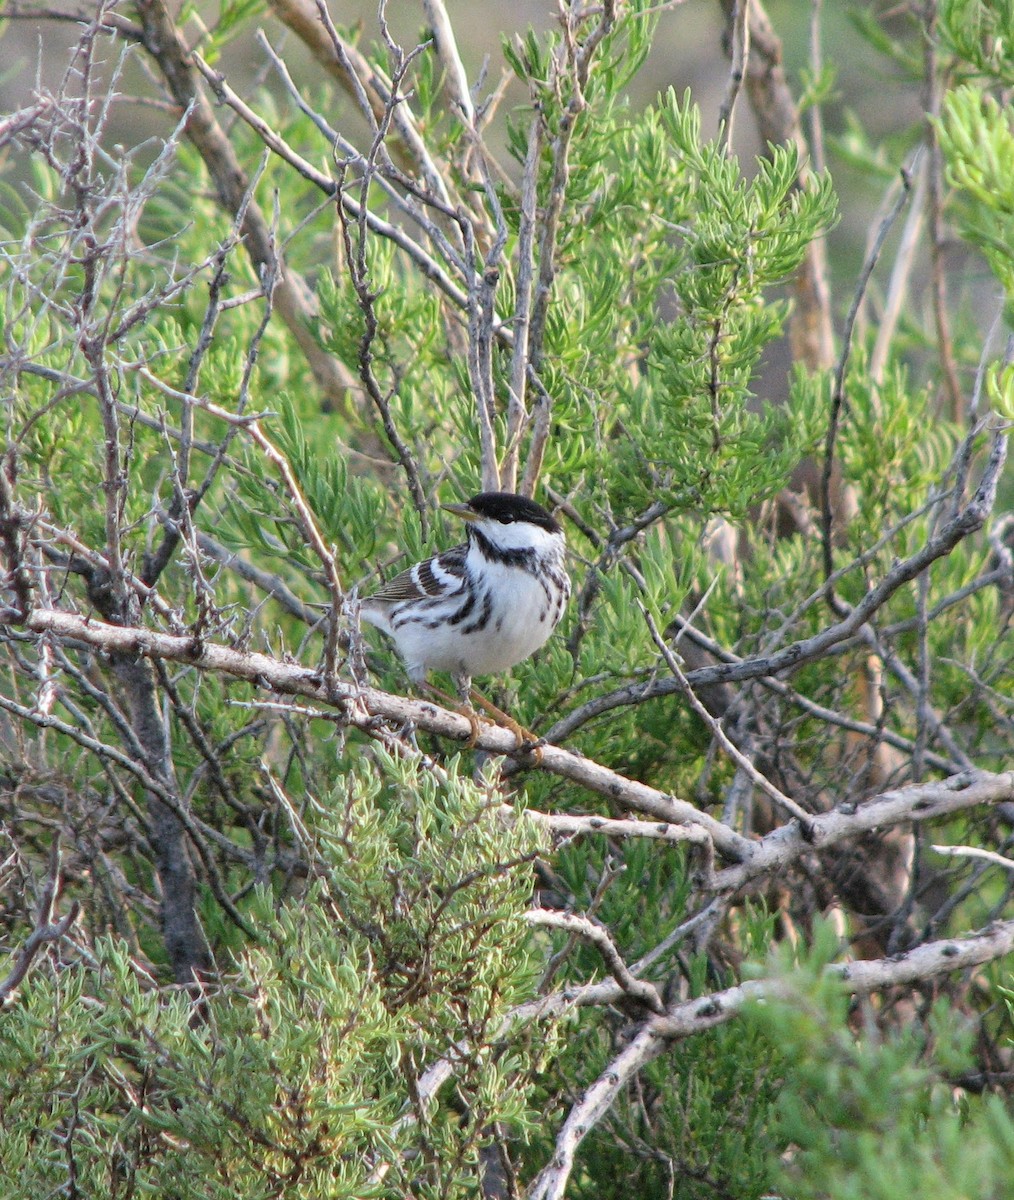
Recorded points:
441,575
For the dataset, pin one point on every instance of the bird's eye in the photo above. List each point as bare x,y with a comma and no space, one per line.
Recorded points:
506,519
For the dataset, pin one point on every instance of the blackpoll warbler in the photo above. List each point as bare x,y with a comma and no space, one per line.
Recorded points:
483,606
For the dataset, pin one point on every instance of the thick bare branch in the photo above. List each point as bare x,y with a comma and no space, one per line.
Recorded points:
918,802
695,1016
447,48
363,705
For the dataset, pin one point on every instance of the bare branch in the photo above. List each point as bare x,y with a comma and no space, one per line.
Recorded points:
989,856
570,825
597,935
932,92
450,59
737,33
917,802
372,91
363,705
901,271
163,42
786,803
267,581
838,390
307,521
46,930
694,1016
525,255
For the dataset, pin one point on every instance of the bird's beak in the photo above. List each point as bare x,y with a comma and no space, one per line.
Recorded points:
464,511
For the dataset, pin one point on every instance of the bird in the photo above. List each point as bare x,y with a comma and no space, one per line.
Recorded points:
480,607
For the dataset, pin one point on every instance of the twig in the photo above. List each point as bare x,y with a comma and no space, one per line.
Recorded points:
571,825
838,390
738,33
542,411
749,859
305,516
576,58
784,802
171,803
46,929
399,188
897,287
379,98
598,936
521,322
272,584
427,265
162,40
938,275
989,856
730,668
481,289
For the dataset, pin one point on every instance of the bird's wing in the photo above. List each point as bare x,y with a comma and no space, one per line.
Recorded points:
441,575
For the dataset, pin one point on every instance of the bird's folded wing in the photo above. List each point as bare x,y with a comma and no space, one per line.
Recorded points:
441,575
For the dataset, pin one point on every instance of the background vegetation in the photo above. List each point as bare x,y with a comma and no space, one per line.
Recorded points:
741,929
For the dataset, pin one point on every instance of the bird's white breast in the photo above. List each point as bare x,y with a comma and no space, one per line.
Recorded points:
514,612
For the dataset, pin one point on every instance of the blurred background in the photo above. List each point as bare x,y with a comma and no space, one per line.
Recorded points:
867,89
864,59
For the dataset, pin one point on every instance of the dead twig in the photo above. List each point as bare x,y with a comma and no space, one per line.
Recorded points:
46,929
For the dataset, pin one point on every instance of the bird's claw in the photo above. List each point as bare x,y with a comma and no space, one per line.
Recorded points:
528,743
476,723
533,749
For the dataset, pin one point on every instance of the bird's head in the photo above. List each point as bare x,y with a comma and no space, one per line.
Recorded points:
510,522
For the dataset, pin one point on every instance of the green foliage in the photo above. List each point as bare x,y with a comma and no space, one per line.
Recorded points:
870,1116
132,1096
696,1125
300,1077
671,223
385,886
892,442
982,33
977,138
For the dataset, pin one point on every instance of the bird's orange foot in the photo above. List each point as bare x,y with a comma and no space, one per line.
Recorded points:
528,742
476,723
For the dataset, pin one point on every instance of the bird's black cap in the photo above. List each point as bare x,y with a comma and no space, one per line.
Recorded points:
506,507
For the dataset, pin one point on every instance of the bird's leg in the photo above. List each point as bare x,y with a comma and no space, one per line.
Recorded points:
467,697
460,705
526,739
